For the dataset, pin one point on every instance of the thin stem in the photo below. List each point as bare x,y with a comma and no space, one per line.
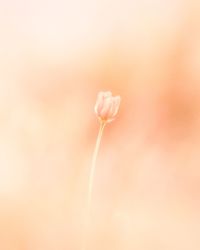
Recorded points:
94,159
91,180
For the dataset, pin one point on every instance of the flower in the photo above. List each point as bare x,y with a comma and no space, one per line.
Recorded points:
107,106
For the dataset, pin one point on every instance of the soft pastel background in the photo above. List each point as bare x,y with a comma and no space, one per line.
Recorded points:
54,58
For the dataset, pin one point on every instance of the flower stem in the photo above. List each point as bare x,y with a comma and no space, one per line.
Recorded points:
91,181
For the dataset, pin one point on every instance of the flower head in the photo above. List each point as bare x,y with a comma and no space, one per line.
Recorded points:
107,106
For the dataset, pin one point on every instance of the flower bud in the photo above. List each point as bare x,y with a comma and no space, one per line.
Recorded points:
107,106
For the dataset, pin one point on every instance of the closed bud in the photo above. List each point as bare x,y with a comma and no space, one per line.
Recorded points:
107,106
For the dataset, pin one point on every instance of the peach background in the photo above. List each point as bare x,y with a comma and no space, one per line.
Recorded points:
54,58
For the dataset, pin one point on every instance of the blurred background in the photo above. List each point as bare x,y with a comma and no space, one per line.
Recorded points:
54,58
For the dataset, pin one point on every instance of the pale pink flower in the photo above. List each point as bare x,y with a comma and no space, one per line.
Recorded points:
106,109
107,106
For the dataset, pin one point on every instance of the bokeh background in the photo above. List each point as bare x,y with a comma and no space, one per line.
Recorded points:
54,58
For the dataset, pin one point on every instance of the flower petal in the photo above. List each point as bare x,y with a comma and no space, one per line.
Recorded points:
106,107
99,102
117,101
